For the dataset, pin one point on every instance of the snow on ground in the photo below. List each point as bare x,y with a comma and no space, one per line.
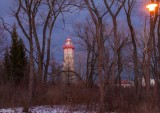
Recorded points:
44,109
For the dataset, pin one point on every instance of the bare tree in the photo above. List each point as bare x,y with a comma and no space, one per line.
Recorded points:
114,13
86,33
29,36
97,18
128,10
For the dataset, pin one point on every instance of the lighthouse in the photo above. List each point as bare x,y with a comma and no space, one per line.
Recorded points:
68,63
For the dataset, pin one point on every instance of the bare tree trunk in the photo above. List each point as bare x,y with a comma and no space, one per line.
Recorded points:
135,58
40,62
116,39
31,77
128,12
30,39
100,62
97,19
48,50
119,62
87,67
156,71
157,78
116,44
155,67
47,62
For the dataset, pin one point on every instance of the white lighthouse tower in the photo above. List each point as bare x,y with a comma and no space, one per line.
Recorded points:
68,64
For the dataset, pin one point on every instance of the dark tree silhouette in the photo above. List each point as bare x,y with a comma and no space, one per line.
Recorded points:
15,61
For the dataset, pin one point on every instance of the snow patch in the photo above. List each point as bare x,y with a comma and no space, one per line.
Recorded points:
44,109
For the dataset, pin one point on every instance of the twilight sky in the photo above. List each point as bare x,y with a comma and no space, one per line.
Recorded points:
61,32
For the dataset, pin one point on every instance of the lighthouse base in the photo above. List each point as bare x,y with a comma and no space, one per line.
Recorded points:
69,78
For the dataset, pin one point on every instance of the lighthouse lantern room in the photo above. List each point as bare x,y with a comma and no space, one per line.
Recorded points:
68,55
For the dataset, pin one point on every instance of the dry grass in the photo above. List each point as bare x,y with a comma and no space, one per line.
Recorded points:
12,96
120,100
64,95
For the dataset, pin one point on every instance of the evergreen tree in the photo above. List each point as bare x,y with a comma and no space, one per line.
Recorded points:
15,62
14,46
6,64
22,59
14,56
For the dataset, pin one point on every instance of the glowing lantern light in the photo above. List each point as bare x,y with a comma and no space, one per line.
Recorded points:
151,7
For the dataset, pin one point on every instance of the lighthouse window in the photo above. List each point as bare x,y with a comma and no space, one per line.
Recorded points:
68,42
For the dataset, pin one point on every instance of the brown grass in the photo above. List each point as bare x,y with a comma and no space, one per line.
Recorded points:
121,100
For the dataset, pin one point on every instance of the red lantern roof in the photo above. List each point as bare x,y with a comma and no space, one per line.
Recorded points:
68,44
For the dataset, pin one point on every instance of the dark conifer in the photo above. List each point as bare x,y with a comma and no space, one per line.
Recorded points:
6,64
22,62
15,62
14,56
